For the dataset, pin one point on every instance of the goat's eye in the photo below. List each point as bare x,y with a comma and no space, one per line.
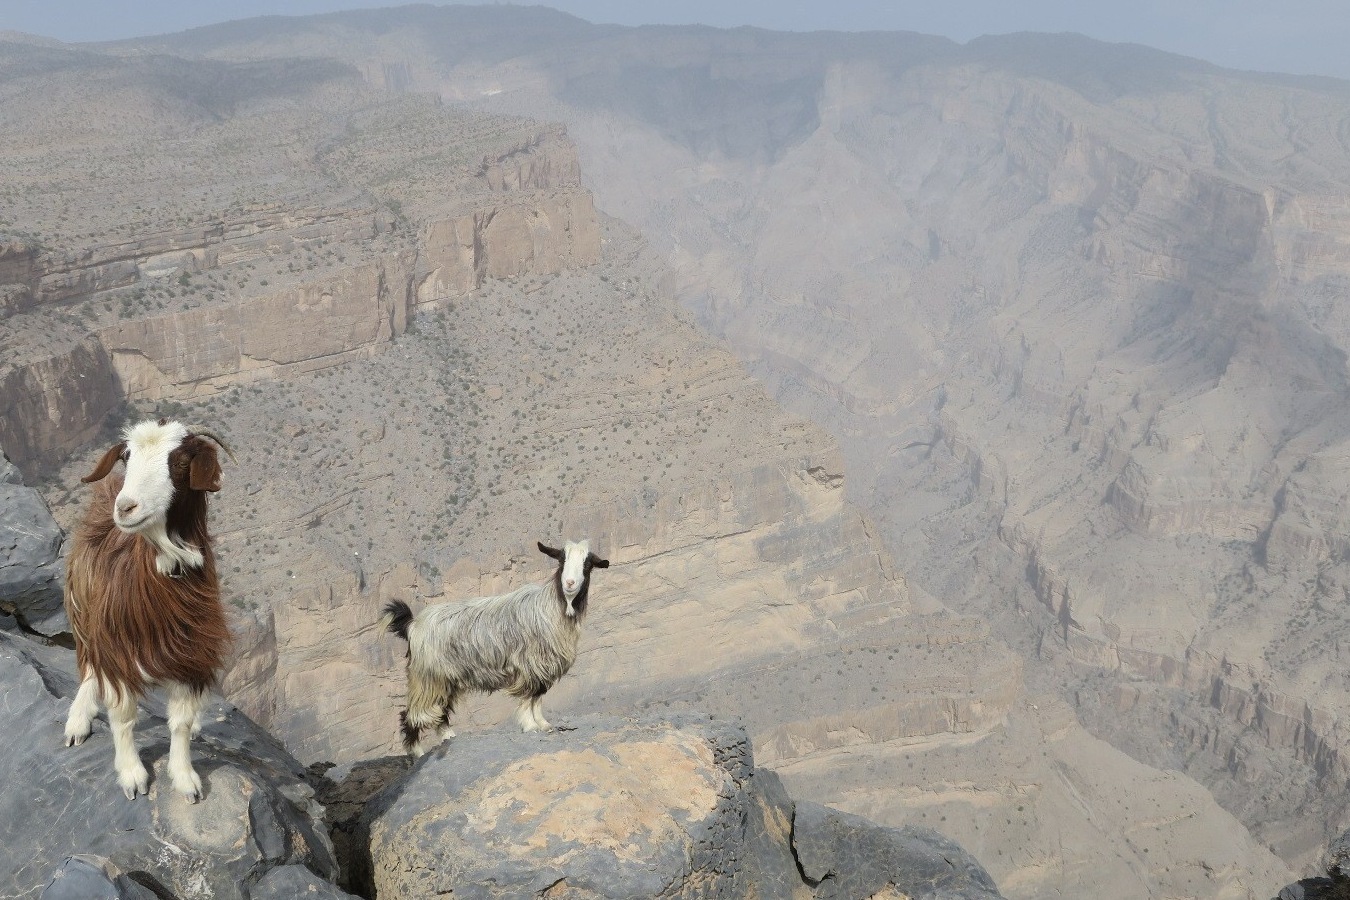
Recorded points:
126,455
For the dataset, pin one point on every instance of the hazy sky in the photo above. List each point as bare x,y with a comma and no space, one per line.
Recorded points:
1299,36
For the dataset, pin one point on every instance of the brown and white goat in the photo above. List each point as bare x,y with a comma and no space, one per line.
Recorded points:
142,595
521,643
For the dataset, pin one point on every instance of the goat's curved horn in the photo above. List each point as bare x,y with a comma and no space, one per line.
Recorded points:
208,433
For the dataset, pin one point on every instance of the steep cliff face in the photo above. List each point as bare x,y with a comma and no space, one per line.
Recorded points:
202,350
236,239
18,275
213,286
541,237
51,406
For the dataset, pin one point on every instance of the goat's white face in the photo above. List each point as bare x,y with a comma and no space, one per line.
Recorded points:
574,572
576,561
147,489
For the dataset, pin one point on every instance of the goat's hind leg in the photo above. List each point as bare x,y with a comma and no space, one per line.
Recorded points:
80,721
185,706
431,699
131,773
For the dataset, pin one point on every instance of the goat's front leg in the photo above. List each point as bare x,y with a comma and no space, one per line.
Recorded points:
80,721
185,706
539,719
131,773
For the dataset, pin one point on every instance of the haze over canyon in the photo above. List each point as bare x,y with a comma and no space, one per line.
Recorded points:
969,421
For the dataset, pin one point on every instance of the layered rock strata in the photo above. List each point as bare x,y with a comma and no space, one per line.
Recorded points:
335,233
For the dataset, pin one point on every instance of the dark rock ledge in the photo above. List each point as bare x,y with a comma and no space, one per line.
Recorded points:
623,808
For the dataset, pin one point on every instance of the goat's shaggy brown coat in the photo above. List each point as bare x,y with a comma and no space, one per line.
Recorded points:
133,625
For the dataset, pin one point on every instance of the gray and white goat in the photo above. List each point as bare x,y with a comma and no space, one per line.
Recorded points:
521,642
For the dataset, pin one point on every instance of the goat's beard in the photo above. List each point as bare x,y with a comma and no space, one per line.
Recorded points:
175,556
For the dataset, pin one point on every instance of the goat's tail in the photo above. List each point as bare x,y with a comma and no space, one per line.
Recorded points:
397,617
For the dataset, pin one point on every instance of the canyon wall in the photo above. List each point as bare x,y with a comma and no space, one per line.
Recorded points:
59,401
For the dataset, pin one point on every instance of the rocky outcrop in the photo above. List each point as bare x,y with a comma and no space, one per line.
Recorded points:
1335,885
265,230
545,160
844,856
50,406
258,813
541,236
84,877
634,808
57,402
198,351
18,276
30,556
296,883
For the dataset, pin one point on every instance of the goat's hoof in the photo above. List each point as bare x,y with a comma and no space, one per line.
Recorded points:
190,787
76,735
134,783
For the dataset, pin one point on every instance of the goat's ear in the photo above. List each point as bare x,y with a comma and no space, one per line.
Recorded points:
204,471
106,464
596,562
550,551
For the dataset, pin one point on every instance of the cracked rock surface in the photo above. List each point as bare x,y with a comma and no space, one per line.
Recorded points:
845,856
633,808
30,555
59,802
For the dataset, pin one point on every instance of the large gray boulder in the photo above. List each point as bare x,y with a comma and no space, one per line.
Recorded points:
296,883
93,878
845,856
30,556
1336,884
258,813
630,809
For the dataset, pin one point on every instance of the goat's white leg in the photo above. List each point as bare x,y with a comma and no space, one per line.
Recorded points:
530,715
83,708
525,715
184,706
131,773
537,710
